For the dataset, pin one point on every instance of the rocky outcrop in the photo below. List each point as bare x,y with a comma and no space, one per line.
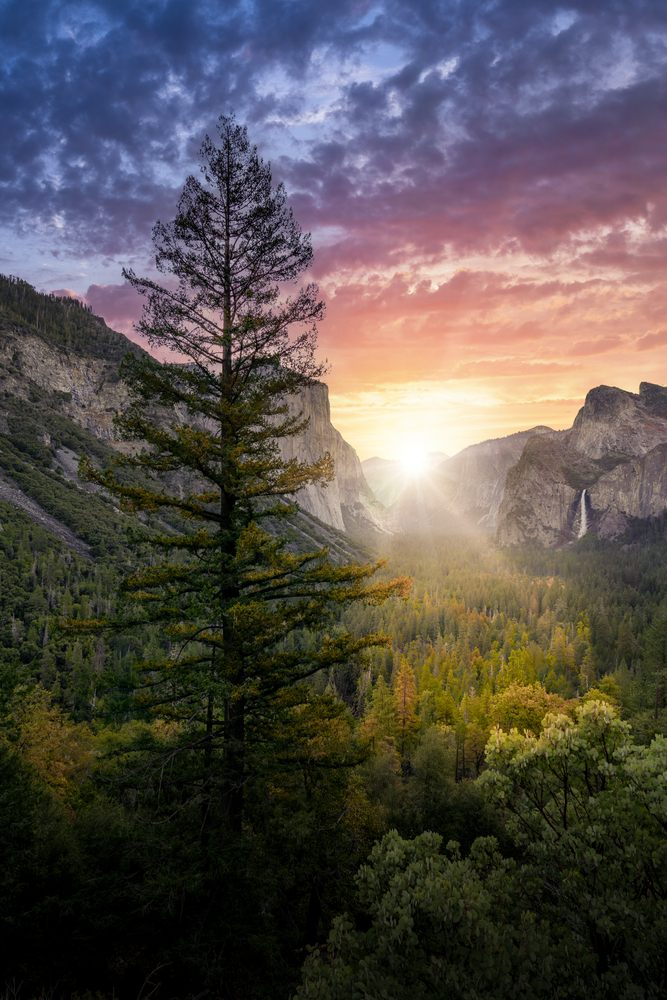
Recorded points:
616,452
480,472
89,389
614,421
636,488
543,494
348,502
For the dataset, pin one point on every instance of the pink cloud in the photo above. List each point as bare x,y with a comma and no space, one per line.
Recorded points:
67,293
586,348
119,305
651,340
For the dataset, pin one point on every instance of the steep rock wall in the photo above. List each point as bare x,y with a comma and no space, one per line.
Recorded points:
616,451
348,502
478,474
91,394
636,488
92,384
539,504
615,421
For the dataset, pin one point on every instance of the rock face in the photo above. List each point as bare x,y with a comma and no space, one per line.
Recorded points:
479,474
348,502
90,393
614,421
637,488
90,390
616,452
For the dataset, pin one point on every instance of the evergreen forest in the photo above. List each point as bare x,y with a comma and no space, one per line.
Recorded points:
106,889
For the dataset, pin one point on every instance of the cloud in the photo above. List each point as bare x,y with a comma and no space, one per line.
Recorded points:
119,305
652,340
66,293
484,180
587,348
526,135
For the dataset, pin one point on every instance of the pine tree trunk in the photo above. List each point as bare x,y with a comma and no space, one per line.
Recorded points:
234,731
234,759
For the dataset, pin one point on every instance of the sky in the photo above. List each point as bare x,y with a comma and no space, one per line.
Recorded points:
485,183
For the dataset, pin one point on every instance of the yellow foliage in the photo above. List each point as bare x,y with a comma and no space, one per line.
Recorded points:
405,695
60,751
608,691
523,707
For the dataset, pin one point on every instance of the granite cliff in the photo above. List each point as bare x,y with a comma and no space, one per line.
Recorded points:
347,503
612,464
57,356
85,389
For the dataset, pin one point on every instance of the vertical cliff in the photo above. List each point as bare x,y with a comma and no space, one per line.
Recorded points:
348,502
84,386
615,421
616,451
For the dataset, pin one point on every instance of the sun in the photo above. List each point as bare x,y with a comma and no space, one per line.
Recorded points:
414,462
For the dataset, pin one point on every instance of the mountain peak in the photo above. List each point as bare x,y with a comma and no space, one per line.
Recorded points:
621,422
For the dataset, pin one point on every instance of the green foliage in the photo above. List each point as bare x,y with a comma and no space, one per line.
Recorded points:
226,593
116,845
590,809
582,912
441,925
41,581
64,322
29,462
480,621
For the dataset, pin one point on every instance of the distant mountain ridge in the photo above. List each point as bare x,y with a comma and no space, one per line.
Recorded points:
389,478
530,486
60,390
461,494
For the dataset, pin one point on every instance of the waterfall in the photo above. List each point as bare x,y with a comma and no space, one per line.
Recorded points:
582,526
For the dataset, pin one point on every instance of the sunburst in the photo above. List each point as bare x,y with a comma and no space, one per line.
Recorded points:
415,462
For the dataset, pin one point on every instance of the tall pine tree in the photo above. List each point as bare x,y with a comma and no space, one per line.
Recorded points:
209,424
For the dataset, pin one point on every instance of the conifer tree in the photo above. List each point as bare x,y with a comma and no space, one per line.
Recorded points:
656,647
381,719
228,591
405,694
